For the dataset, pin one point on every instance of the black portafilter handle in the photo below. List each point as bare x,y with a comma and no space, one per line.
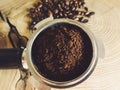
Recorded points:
11,58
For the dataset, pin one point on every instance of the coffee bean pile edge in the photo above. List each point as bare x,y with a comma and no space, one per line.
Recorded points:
72,9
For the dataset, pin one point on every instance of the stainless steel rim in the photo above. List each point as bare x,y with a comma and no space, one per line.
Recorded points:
75,81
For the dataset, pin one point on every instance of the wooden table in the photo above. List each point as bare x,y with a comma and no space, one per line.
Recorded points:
104,24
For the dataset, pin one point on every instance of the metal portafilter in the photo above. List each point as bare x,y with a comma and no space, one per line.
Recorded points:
24,58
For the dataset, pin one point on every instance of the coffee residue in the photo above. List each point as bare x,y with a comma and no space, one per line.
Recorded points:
62,52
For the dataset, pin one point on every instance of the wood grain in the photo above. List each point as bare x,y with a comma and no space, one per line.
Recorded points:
104,24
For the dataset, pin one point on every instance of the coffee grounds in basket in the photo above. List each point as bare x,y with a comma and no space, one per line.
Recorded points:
62,52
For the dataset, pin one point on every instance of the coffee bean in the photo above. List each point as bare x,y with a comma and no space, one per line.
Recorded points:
32,10
84,20
80,19
82,3
89,14
92,13
86,9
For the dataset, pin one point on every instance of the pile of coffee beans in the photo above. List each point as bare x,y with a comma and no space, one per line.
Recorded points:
62,52
72,9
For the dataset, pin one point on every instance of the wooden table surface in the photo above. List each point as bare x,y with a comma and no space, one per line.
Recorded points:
105,24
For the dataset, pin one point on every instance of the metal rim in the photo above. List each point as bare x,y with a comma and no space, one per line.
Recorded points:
75,81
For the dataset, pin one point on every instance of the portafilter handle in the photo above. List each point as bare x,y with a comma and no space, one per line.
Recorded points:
11,58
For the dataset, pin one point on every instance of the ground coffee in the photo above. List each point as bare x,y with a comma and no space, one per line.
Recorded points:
62,52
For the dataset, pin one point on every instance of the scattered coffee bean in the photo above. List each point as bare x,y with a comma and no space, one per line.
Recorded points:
89,14
84,20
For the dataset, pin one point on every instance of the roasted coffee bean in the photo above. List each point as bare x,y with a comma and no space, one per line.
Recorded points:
60,14
62,3
89,14
84,20
56,11
82,3
82,13
32,10
80,19
86,9
31,26
79,4
64,15
75,12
